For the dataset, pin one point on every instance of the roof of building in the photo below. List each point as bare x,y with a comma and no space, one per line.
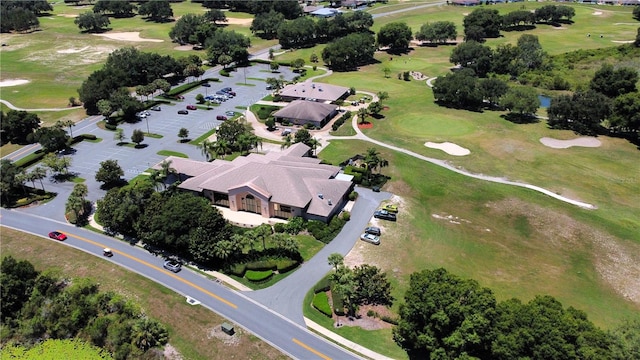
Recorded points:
282,177
310,90
325,12
306,110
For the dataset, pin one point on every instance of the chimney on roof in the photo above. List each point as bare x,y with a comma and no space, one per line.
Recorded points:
329,202
320,196
313,86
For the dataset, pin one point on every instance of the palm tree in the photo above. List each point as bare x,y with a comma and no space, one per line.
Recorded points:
66,123
39,173
285,242
362,115
156,179
315,143
262,232
288,141
206,148
148,333
166,169
336,260
20,178
220,148
244,141
75,204
372,159
223,249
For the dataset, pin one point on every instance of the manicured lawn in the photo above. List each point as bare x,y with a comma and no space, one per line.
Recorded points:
172,153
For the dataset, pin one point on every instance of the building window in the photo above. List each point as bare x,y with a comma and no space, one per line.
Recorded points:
249,203
221,199
282,211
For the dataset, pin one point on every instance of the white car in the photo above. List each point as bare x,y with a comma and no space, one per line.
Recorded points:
370,238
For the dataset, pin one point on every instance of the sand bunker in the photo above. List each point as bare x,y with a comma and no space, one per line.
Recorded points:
72,51
236,21
127,36
449,148
564,144
623,41
597,13
15,82
68,15
559,28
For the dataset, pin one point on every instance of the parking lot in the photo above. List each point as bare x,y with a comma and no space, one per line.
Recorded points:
249,86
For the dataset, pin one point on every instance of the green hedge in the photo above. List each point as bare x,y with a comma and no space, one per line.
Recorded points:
341,120
30,200
389,319
255,276
30,159
224,73
321,303
338,302
238,269
285,265
323,285
89,137
326,232
112,127
263,265
279,227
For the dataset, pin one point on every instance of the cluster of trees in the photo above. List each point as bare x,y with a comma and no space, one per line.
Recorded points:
128,67
186,225
97,19
78,207
22,127
444,316
362,285
301,136
195,29
22,15
437,32
231,136
38,305
289,8
612,95
486,23
348,52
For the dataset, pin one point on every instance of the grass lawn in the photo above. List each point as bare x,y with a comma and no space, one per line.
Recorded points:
189,326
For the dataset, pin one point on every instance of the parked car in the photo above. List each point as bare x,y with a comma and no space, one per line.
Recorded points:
385,215
226,89
206,85
269,87
375,189
156,108
373,230
390,208
191,107
221,117
230,113
183,112
285,132
56,235
370,238
172,265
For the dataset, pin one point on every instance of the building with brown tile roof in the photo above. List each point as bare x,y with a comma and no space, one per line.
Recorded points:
301,112
281,185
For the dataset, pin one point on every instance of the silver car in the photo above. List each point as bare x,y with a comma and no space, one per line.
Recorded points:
370,238
172,265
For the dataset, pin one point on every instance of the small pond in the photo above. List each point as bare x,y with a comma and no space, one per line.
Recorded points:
545,101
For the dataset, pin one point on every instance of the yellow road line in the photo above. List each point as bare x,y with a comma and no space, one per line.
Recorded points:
311,349
160,269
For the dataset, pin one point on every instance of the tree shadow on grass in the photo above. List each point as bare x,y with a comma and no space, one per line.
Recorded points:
114,184
141,146
520,118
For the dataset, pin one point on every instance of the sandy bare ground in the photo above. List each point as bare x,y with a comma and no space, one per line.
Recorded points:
72,51
597,13
623,41
565,144
449,148
183,47
559,28
13,82
68,15
236,21
127,36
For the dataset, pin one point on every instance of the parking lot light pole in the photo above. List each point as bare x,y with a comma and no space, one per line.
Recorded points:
147,118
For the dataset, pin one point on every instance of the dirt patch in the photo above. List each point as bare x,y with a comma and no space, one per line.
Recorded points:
616,262
72,50
127,36
68,15
366,125
623,41
171,353
183,47
229,340
559,28
597,13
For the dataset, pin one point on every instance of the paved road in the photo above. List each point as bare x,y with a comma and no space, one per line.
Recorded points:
286,297
291,338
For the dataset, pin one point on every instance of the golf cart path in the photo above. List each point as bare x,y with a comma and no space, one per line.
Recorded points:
13,107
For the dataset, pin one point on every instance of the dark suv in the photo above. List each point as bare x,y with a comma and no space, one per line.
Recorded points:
385,215
373,230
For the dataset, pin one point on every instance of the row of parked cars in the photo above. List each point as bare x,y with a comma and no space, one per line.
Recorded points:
372,233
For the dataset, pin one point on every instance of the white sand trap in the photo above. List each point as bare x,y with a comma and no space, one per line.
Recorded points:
623,41
559,28
597,13
127,36
449,148
68,15
236,21
565,144
72,51
15,82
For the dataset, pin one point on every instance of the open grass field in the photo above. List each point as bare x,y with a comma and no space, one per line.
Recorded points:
190,327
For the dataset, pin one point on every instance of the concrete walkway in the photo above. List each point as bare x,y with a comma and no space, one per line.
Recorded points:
13,107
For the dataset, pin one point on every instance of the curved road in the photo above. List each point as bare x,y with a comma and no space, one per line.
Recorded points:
291,338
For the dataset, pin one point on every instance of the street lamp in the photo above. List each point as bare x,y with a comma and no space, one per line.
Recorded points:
147,118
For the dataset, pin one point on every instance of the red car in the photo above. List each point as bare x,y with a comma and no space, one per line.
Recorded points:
221,117
56,235
191,107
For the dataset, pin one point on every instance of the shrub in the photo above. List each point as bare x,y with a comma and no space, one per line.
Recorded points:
256,276
89,137
269,264
224,73
295,225
371,313
285,265
279,227
338,302
389,319
30,159
353,196
323,285
346,216
112,127
321,303
238,269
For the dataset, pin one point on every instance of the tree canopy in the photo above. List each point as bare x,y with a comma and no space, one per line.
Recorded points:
348,52
18,126
437,32
156,10
109,172
613,82
459,89
482,23
92,22
582,112
473,55
395,35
